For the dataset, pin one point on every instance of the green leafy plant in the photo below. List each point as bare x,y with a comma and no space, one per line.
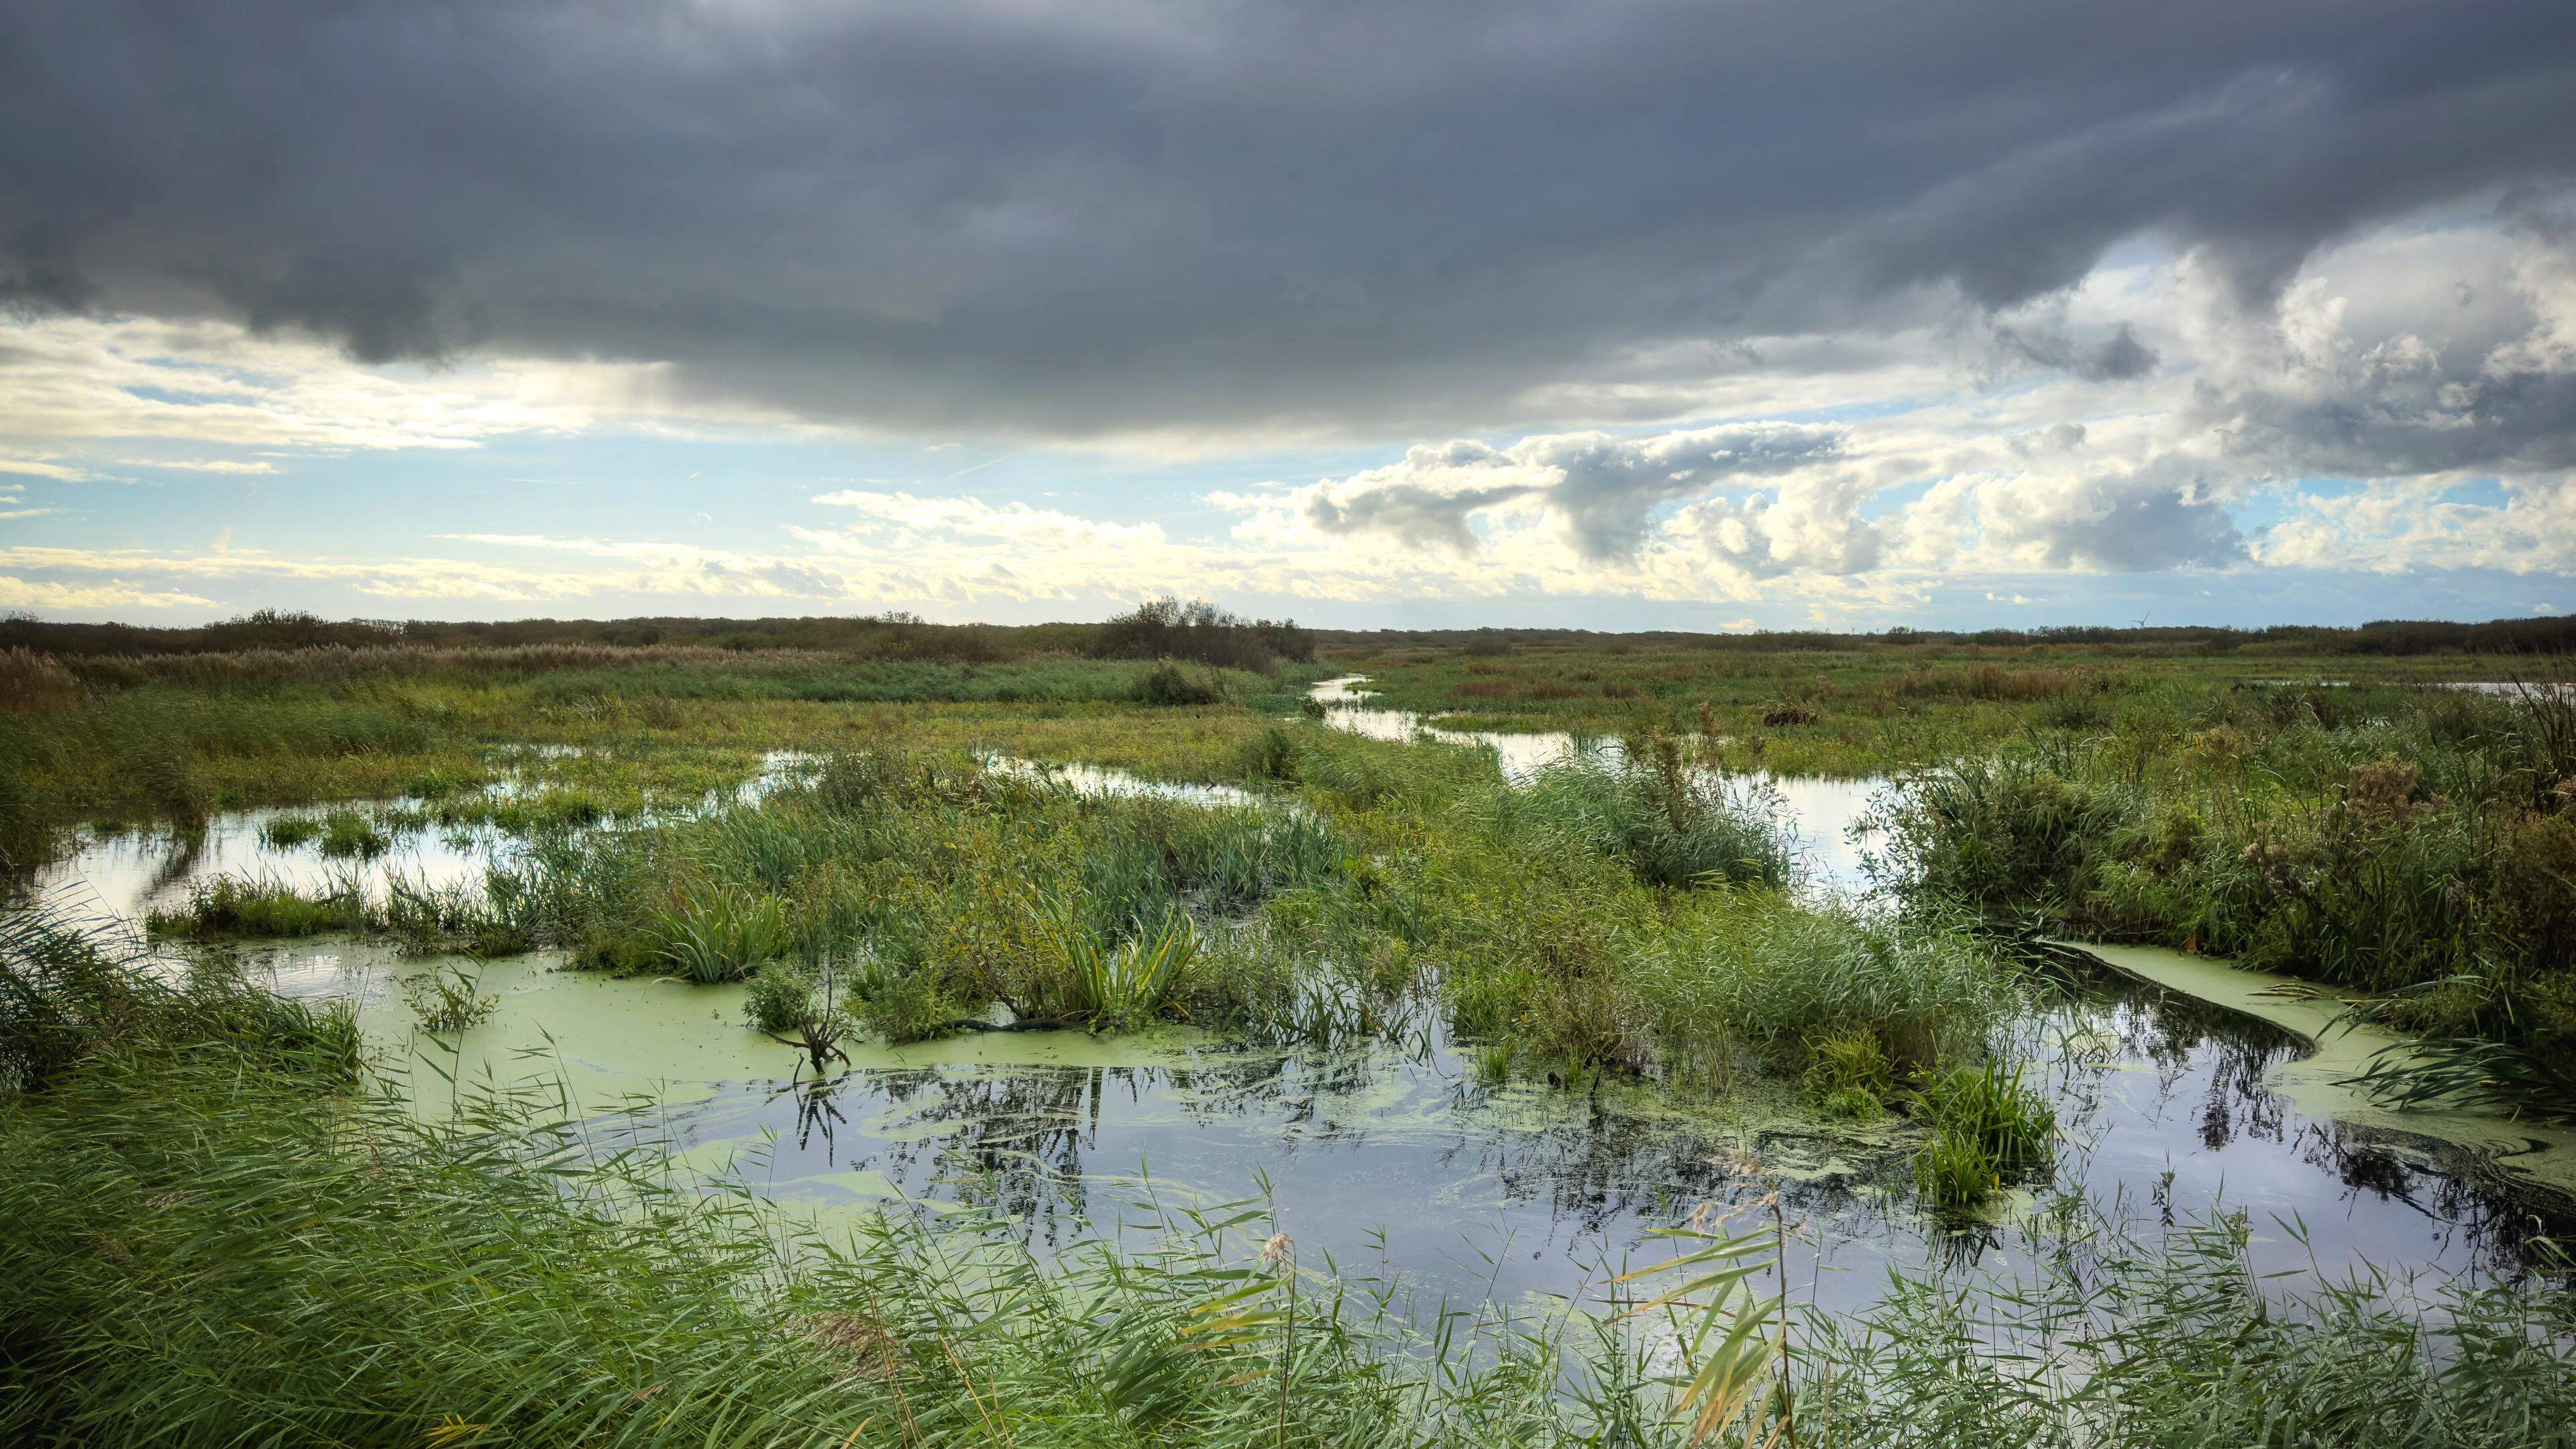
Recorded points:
285,832
722,933
347,835
1986,1125
1085,979
1848,1075
779,994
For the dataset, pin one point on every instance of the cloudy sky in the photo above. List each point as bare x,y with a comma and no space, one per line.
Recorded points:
1700,314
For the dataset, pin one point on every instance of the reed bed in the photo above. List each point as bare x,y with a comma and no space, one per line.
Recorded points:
218,1238
2413,846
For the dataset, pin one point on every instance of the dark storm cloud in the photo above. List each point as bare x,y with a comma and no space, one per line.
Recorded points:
1122,215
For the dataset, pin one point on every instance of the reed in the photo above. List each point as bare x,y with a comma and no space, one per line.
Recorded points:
215,1241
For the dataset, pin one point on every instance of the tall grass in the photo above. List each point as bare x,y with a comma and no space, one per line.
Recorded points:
33,683
2175,1343
1676,823
446,1000
722,933
238,906
2417,846
1101,984
1987,1127
71,991
213,1244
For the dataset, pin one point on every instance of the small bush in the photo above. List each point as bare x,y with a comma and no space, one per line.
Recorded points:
1168,684
781,992
1271,755
905,1006
1675,827
1198,630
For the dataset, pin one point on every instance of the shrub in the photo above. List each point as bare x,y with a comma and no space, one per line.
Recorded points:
1271,755
1170,629
1168,683
1675,827
2003,837
780,993
905,1006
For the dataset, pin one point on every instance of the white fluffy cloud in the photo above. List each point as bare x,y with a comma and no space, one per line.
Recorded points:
75,381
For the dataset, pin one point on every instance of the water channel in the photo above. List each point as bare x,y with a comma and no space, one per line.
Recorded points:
2183,1088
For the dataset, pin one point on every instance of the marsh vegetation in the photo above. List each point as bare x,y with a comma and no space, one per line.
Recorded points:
1617,955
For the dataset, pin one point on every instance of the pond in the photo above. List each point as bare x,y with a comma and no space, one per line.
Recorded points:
125,874
1402,1164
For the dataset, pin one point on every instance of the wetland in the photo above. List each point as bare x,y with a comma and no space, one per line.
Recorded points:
1993,1044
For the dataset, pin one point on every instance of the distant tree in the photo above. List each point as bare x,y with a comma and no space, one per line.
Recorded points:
1171,628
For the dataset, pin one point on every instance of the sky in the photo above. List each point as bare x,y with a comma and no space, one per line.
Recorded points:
1612,314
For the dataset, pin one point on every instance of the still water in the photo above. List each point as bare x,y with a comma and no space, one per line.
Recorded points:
1398,1162
2183,1088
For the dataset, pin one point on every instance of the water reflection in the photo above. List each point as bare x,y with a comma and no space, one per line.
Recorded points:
125,874
1408,1162
1104,780
1822,817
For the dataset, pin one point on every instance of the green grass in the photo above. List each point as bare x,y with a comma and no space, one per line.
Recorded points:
216,1239
722,933
289,831
1987,1127
228,906
1847,705
2122,793
174,737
